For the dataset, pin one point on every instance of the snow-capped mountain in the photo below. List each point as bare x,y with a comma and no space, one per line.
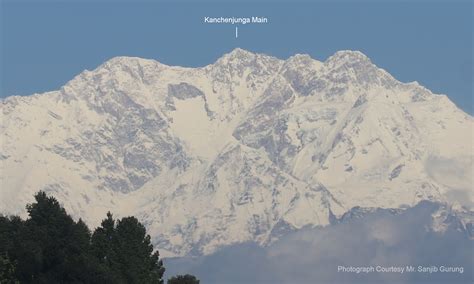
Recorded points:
247,148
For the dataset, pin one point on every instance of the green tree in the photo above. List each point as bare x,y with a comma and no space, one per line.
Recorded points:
104,247
125,249
9,228
183,279
7,270
49,247
103,239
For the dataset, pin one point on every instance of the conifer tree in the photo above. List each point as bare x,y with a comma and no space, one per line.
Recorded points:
7,270
50,247
126,251
183,279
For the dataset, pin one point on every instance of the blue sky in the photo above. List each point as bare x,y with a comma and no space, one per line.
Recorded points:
45,43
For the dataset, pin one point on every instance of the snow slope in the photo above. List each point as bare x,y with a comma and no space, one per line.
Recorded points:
247,148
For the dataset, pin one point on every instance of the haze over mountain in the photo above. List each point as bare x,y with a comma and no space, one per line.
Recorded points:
360,238
248,148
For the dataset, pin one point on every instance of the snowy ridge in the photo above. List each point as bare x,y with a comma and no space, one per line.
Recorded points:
246,148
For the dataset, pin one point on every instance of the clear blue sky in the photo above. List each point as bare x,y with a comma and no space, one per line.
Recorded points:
45,43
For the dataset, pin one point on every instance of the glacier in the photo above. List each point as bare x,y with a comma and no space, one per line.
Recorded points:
248,148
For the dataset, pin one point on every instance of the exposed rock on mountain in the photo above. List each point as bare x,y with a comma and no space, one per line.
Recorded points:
247,148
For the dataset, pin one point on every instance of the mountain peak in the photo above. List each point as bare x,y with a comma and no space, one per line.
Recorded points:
302,60
237,55
238,59
250,144
239,52
348,57
128,61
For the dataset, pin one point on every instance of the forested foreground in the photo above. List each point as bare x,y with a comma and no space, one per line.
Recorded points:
50,247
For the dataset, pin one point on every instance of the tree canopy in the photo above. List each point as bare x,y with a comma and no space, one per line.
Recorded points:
183,279
50,247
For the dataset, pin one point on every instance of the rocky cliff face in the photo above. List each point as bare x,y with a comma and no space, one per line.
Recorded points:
247,148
